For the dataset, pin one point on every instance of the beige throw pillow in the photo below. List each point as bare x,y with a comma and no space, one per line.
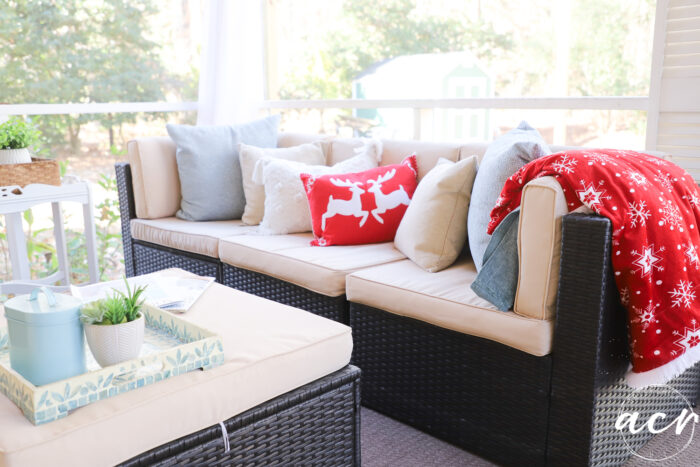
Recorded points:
433,231
311,153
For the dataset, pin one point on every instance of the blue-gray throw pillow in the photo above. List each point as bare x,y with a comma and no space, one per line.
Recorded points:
209,168
503,158
497,281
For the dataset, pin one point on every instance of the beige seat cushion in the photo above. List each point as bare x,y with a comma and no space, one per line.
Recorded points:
270,349
290,258
154,177
311,153
445,299
433,231
195,237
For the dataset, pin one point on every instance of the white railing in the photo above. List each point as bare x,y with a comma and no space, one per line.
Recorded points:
120,107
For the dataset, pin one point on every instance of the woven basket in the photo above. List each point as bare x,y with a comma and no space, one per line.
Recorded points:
44,171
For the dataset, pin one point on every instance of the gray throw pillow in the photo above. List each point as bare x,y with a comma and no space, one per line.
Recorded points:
503,158
209,168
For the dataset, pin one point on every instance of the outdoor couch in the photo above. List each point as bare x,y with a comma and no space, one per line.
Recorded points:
540,385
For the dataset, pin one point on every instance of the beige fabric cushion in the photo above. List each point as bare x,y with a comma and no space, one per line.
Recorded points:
154,177
433,231
311,153
195,237
270,349
285,140
539,248
445,299
427,153
290,258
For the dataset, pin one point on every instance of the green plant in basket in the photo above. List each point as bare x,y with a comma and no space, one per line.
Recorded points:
114,326
16,133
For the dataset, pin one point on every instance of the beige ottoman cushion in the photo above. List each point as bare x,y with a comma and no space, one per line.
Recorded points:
196,237
154,177
270,349
290,258
445,299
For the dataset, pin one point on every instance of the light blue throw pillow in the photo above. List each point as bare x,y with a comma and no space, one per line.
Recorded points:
209,167
503,158
497,281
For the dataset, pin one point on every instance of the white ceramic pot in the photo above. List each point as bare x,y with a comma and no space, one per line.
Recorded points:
15,156
116,343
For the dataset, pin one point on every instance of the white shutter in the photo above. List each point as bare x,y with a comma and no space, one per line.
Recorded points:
674,114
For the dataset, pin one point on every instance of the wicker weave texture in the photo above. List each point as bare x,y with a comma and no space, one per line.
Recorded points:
485,397
127,211
151,258
316,424
39,170
335,308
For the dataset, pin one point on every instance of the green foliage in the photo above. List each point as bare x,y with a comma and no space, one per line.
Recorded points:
80,51
16,133
118,308
375,31
131,301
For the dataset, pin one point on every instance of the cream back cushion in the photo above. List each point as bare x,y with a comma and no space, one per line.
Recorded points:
154,177
394,151
539,248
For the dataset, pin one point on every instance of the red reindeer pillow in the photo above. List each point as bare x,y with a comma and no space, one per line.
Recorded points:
363,207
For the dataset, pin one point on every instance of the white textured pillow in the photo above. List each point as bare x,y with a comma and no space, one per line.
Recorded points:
311,153
433,231
286,205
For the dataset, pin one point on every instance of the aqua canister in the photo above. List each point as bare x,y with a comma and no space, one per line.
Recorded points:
46,336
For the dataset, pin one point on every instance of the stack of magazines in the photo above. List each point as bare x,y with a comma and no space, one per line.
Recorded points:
170,289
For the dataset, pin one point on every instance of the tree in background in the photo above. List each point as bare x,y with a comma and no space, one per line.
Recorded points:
371,31
78,51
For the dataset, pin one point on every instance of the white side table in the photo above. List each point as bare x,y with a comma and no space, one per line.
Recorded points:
14,201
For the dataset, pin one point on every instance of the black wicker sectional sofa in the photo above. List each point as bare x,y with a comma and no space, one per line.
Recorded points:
515,399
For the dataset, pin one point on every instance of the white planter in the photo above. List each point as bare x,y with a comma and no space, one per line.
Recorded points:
15,156
112,344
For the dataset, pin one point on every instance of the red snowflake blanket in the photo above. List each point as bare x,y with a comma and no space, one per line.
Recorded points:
654,207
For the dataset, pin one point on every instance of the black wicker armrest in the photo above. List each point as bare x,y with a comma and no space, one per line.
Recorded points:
590,336
127,210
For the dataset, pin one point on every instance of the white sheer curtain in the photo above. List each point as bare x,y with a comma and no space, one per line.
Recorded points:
231,81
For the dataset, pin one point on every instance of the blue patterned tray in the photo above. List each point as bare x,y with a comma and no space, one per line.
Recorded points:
172,346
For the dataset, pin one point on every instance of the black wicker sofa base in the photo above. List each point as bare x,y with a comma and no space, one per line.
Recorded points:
316,424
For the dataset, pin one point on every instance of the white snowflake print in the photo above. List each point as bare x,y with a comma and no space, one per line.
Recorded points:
691,252
636,178
599,158
655,160
638,214
671,216
499,201
565,164
665,180
689,338
625,296
591,196
648,260
646,315
693,199
683,295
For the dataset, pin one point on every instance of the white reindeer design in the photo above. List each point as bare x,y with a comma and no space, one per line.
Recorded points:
389,201
345,207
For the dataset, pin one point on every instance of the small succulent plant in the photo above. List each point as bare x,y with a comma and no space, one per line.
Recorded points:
118,308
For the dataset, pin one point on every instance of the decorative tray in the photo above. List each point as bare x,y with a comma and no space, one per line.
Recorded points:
172,346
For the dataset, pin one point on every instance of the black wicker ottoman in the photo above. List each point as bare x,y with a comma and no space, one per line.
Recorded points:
316,424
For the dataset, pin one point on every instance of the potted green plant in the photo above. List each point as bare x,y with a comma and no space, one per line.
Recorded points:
16,136
114,326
